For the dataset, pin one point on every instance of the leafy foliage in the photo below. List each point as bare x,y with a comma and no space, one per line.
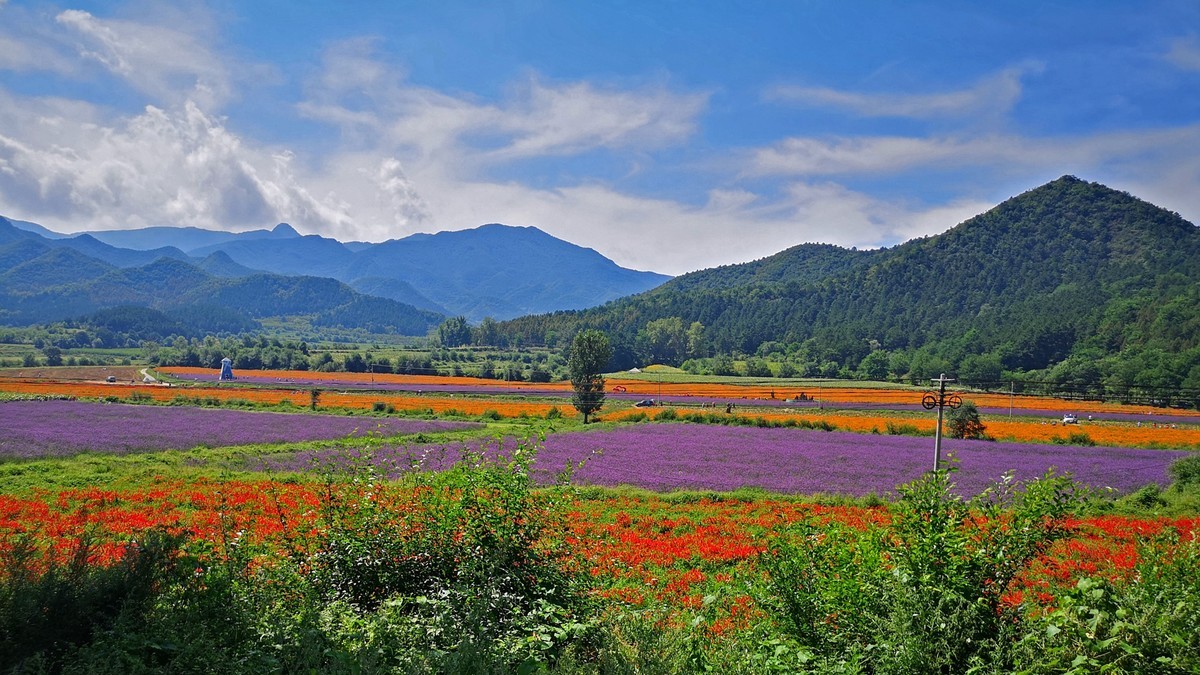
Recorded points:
964,422
925,595
590,352
1069,273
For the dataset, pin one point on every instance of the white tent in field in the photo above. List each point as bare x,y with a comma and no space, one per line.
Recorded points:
635,370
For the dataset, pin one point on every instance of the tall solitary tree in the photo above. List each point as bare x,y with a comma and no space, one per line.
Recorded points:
590,352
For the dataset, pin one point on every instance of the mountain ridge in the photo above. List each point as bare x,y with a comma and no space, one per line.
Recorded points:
1043,277
494,270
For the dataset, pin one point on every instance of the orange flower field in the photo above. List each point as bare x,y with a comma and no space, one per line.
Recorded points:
272,395
638,551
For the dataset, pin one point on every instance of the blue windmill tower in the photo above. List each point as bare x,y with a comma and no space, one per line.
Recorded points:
226,369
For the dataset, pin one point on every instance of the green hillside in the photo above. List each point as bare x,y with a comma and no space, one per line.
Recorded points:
40,283
1068,277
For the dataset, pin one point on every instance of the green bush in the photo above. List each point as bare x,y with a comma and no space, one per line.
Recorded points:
49,609
898,429
443,572
462,569
1185,472
1145,625
964,422
922,596
1075,438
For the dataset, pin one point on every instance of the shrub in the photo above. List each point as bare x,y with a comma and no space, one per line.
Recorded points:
553,413
1147,625
456,565
905,429
667,415
964,422
924,594
1074,438
49,609
1185,472
492,415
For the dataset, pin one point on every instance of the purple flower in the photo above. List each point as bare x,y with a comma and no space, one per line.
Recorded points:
703,457
58,428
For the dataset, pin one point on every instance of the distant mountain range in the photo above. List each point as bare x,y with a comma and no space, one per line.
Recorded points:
493,270
405,285
1069,270
44,280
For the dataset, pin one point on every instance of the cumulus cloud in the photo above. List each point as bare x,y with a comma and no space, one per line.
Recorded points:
994,95
164,167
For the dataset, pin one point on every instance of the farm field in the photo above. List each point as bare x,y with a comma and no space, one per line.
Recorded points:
857,409
678,538
36,429
779,393
670,456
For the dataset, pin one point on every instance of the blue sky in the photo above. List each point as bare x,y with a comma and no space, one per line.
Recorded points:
669,136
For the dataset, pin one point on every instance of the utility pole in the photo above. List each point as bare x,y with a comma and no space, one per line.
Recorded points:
940,400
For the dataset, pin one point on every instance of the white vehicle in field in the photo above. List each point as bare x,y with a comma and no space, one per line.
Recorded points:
1070,418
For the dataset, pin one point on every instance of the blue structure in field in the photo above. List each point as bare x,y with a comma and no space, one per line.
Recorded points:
226,369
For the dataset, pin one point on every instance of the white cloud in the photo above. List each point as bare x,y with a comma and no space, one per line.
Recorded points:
546,120
160,167
415,158
374,104
992,96
1185,53
166,63
884,155
29,45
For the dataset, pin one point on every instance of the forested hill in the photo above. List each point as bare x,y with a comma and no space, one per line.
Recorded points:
43,280
1069,268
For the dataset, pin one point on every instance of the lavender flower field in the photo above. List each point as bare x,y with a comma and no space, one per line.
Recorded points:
666,457
34,429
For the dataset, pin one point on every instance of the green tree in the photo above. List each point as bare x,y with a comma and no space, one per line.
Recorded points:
454,332
53,356
663,341
964,422
695,340
875,365
487,333
590,351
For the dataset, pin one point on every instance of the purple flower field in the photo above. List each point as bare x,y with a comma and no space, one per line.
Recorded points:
34,429
666,457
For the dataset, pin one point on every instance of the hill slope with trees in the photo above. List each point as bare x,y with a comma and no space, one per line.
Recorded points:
1072,279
